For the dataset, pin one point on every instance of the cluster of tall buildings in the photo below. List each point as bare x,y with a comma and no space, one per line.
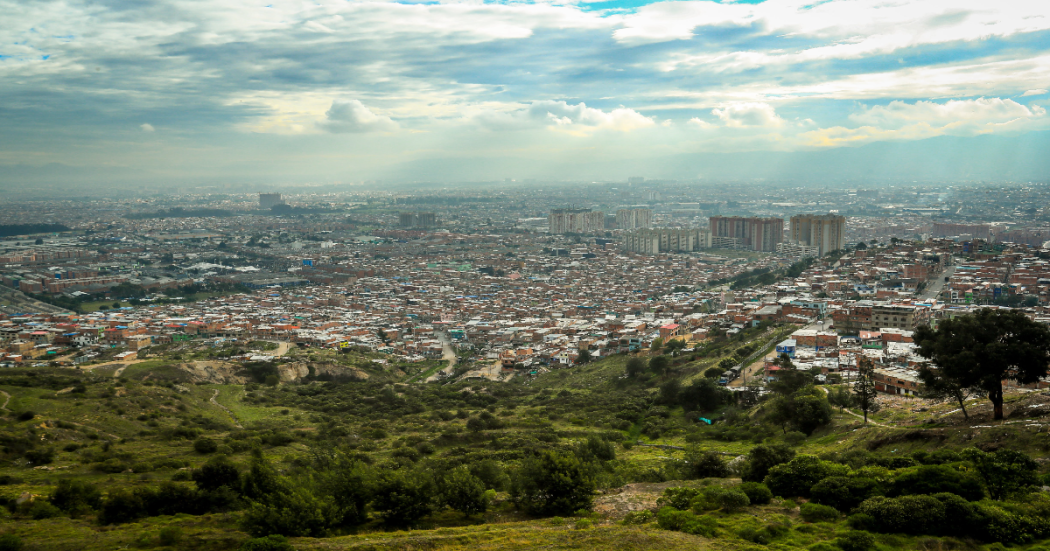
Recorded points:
417,219
575,221
752,233
646,241
270,200
633,219
825,232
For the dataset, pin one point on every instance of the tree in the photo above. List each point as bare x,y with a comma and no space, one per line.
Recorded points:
555,483
635,367
659,365
675,346
704,464
726,364
216,473
789,380
1005,472
985,348
656,345
864,389
76,497
463,492
938,387
39,241
761,458
584,356
402,499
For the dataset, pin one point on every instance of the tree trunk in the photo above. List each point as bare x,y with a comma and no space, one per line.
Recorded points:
962,406
996,396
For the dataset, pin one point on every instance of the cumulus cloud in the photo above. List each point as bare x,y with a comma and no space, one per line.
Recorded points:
565,116
747,114
957,117
1038,92
147,127
353,117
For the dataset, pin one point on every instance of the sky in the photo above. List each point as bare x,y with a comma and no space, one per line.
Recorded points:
347,90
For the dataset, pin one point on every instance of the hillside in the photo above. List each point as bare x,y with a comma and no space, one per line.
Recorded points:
136,427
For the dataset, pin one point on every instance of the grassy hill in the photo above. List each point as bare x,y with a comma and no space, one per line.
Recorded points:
153,424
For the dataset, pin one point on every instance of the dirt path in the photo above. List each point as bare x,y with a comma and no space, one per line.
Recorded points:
859,416
446,354
224,408
7,399
282,348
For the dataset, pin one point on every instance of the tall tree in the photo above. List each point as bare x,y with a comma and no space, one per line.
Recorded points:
864,388
987,347
938,387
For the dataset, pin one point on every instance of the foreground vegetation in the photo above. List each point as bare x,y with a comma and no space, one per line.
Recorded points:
610,454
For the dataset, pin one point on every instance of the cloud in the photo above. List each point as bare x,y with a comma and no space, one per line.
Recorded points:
1033,93
956,117
353,117
899,120
564,116
147,127
746,114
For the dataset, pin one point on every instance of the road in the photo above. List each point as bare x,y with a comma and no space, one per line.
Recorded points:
13,301
933,289
448,354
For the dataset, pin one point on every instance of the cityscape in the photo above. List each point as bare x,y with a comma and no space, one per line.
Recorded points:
638,275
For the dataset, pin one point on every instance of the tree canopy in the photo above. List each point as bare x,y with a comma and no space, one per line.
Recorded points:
987,347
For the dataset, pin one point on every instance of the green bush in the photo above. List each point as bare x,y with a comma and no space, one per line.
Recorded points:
919,514
462,491
40,509
796,477
814,512
678,498
402,499
554,483
205,445
763,458
76,497
216,473
704,464
10,542
732,500
268,543
294,512
757,493
170,535
856,540
844,493
670,518
935,479
584,524
764,535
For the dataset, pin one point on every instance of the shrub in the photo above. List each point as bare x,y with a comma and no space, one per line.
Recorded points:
40,509
268,543
763,458
205,445
704,464
554,483
856,540
584,524
76,497
26,416
463,492
796,477
41,456
170,535
918,514
294,511
813,512
844,493
216,473
795,438
670,518
10,542
638,517
935,479
679,498
732,499
764,535
403,499
757,493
